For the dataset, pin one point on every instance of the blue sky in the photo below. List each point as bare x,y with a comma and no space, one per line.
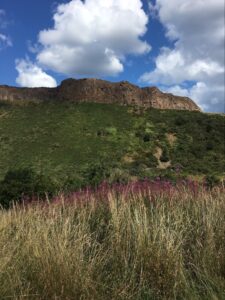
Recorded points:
176,45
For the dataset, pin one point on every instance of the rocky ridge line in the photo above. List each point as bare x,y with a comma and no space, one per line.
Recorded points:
100,91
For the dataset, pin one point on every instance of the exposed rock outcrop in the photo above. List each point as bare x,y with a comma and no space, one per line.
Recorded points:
100,91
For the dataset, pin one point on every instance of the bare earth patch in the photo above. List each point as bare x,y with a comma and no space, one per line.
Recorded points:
128,159
2,115
161,165
171,137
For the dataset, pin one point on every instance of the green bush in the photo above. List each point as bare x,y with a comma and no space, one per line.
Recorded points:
212,180
109,131
118,175
94,173
72,182
179,121
22,183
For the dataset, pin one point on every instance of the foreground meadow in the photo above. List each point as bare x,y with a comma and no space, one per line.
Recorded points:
145,240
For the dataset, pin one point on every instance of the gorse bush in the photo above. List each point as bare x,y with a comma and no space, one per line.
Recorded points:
109,131
212,180
94,173
145,240
22,183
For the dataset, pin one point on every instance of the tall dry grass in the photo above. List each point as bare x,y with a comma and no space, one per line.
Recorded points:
120,246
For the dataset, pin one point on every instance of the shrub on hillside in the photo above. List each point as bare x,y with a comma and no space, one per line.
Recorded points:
119,175
212,180
22,183
72,182
94,173
180,120
109,131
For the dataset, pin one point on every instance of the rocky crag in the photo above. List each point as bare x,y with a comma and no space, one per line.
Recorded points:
100,91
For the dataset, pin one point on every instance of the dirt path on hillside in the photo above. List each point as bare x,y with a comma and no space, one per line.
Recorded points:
161,165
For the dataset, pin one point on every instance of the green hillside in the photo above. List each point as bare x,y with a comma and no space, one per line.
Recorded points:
71,141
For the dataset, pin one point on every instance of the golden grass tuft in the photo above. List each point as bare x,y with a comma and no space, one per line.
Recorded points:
116,248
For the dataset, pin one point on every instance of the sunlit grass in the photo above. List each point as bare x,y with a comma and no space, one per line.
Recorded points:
124,243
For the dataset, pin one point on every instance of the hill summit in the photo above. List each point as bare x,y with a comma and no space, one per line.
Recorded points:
100,91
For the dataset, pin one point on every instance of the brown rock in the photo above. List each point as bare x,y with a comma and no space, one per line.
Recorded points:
100,91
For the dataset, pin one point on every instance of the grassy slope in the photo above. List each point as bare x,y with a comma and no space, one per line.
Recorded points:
62,138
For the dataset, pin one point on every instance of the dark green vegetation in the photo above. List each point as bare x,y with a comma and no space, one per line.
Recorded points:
79,144
21,185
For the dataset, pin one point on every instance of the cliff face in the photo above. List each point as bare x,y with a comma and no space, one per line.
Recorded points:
100,91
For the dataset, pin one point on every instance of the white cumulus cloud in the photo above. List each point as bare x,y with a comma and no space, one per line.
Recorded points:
197,29
30,75
5,40
92,37
206,97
